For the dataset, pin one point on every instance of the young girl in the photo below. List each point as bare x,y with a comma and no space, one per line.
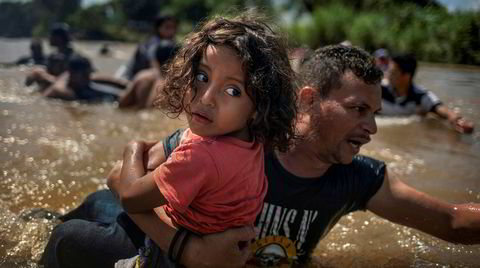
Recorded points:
233,80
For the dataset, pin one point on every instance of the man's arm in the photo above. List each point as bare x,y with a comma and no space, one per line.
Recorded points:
459,123
400,203
40,76
60,89
213,250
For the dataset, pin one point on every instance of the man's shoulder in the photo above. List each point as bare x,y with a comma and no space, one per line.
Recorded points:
366,162
417,89
388,93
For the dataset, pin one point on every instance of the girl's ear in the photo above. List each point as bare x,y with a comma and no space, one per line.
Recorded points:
306,98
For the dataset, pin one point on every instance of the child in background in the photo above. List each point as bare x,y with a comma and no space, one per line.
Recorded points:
233,80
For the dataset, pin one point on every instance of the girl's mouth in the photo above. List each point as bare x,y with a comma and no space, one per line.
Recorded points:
201,118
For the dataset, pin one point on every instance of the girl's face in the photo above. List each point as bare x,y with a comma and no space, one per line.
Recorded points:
221,105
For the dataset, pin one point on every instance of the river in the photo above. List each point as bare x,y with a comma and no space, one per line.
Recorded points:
53,153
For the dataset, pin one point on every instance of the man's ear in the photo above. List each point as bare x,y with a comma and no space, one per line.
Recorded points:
306,98
254,116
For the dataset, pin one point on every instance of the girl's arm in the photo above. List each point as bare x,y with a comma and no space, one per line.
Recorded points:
214,250
136,190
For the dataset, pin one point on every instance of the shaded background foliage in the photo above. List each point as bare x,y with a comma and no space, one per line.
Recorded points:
423,27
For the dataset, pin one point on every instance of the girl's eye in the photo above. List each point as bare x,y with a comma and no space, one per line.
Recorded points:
233,91
201,77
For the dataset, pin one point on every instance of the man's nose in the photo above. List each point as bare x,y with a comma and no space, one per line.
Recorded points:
370,124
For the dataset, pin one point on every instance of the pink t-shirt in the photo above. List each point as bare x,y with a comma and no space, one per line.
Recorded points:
213,183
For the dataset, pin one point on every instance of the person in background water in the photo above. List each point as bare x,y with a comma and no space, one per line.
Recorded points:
165,28
382,59
36,56
141,92
104,50
76,84
401,96
57,61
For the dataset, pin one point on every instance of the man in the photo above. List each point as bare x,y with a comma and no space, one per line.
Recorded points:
382,59
76,84
402,97
142,90
165,28
56,62
311,187
36,56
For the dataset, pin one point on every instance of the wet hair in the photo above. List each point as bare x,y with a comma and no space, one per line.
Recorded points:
407,63
323,68
61,30
269,77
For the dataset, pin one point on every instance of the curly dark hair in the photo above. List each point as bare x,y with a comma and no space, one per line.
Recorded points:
269,82
323,68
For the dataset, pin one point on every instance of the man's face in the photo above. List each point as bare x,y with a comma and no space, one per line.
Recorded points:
342,122
167,29
395,76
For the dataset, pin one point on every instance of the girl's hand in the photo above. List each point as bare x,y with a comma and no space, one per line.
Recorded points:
114,174
113,178
131,168
135,157
131,184
155,156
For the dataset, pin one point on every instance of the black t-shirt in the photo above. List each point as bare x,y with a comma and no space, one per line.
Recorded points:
298,212
417,101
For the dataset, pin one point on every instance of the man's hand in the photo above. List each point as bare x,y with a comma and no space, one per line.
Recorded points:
462,125
230,248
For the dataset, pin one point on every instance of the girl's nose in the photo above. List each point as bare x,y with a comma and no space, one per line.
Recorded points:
208,96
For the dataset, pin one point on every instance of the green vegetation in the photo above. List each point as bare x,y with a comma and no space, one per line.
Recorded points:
429,32
421,27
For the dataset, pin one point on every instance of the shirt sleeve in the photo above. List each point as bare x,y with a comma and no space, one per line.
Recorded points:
188,171
430,101
369,175
171,142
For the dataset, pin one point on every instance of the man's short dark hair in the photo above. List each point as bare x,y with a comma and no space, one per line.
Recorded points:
61,30
162,18
323,68
407,63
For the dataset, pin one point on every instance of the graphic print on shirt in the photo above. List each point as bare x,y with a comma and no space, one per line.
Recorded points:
277,225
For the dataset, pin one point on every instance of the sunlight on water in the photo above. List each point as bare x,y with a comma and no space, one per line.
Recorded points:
383,121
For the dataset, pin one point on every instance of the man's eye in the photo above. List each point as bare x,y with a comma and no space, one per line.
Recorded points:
359,109
232,91
201,77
